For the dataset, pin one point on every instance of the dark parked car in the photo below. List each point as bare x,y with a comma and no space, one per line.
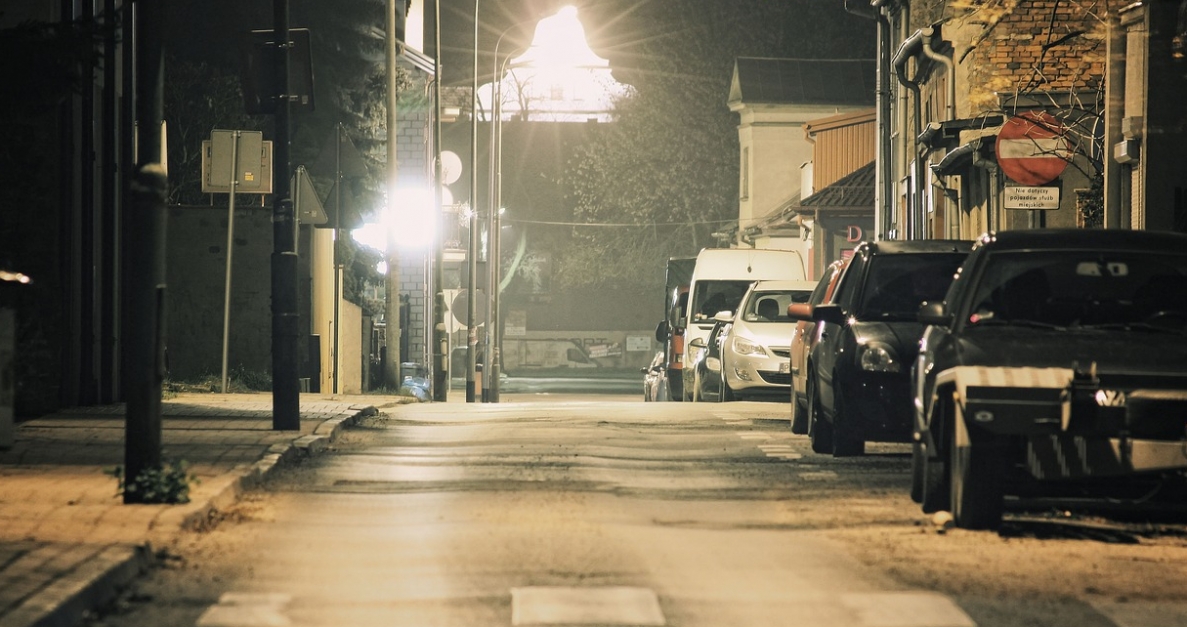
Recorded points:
858,385
802,339
1057,361
708,381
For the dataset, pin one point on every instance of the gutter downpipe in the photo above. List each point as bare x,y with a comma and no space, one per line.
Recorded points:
951,217
1114,113
911,47
883,183
874,11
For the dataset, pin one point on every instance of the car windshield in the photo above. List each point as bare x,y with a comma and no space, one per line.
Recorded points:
1083,288
712,297
771,306
898,284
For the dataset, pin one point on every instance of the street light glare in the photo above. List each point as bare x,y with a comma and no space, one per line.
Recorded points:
410,222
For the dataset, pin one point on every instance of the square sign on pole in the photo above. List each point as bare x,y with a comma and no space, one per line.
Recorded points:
254,156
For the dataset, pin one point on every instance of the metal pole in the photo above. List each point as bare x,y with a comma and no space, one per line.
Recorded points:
472,253
230,244
497,237
490,381
337,252
286,322
144,257
391,370
440,336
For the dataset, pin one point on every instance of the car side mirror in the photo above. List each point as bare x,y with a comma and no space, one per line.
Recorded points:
800,311
831,314
724,316
661,331
934,313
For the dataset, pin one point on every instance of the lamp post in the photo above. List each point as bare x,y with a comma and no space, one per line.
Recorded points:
472,252
440,385
494,220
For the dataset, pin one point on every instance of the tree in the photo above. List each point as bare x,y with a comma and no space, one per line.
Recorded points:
668,167
199,97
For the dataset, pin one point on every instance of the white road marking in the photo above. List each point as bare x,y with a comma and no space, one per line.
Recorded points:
822,475
612,605
753,436
1143,613
915,608
244,609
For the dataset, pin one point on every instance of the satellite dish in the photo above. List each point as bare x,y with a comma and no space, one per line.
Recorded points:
451,167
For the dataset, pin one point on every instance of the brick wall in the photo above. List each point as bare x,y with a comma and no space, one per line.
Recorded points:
1031,46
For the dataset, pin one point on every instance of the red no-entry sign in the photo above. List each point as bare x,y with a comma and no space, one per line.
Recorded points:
1031,148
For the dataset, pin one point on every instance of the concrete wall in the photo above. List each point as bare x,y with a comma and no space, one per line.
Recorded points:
196,273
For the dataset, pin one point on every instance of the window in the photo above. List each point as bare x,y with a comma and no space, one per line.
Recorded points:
744,183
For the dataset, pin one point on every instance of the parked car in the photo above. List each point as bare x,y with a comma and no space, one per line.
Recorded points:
858,386
655,386
720,277
1058,360
755,354
802,339
708,383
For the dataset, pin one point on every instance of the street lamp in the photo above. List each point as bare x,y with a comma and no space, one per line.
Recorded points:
472,252
494,219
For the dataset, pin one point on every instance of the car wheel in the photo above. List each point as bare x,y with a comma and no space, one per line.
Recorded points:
845,444
976,483
820,432
929,472
799,415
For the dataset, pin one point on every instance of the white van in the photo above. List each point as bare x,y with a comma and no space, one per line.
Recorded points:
720,278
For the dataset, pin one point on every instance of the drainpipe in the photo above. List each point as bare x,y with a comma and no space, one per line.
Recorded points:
883,182
883,187
950,216
909,49
1114,113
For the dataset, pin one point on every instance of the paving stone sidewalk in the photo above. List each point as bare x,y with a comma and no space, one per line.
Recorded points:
67,541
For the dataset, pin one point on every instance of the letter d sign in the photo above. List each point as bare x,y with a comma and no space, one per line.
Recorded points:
853,233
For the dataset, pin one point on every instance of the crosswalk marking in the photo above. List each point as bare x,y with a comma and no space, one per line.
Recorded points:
244,609
1143,614
610,605
913,608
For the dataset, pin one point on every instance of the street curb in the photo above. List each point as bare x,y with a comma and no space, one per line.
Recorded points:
99,579
93,584
277,454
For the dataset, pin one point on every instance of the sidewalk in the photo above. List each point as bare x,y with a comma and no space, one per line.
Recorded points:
67,541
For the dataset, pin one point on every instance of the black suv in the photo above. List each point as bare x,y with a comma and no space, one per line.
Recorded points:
858,384
1057,363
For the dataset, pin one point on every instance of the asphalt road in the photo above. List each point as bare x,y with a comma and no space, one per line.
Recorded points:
604,510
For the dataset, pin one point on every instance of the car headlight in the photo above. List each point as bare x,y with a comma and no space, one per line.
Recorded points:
743,346
878,357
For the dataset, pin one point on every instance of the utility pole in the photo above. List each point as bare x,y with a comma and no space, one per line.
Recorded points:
391,370
472,252
286,391
144,257
440,336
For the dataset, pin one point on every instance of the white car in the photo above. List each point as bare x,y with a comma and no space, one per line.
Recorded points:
756,355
